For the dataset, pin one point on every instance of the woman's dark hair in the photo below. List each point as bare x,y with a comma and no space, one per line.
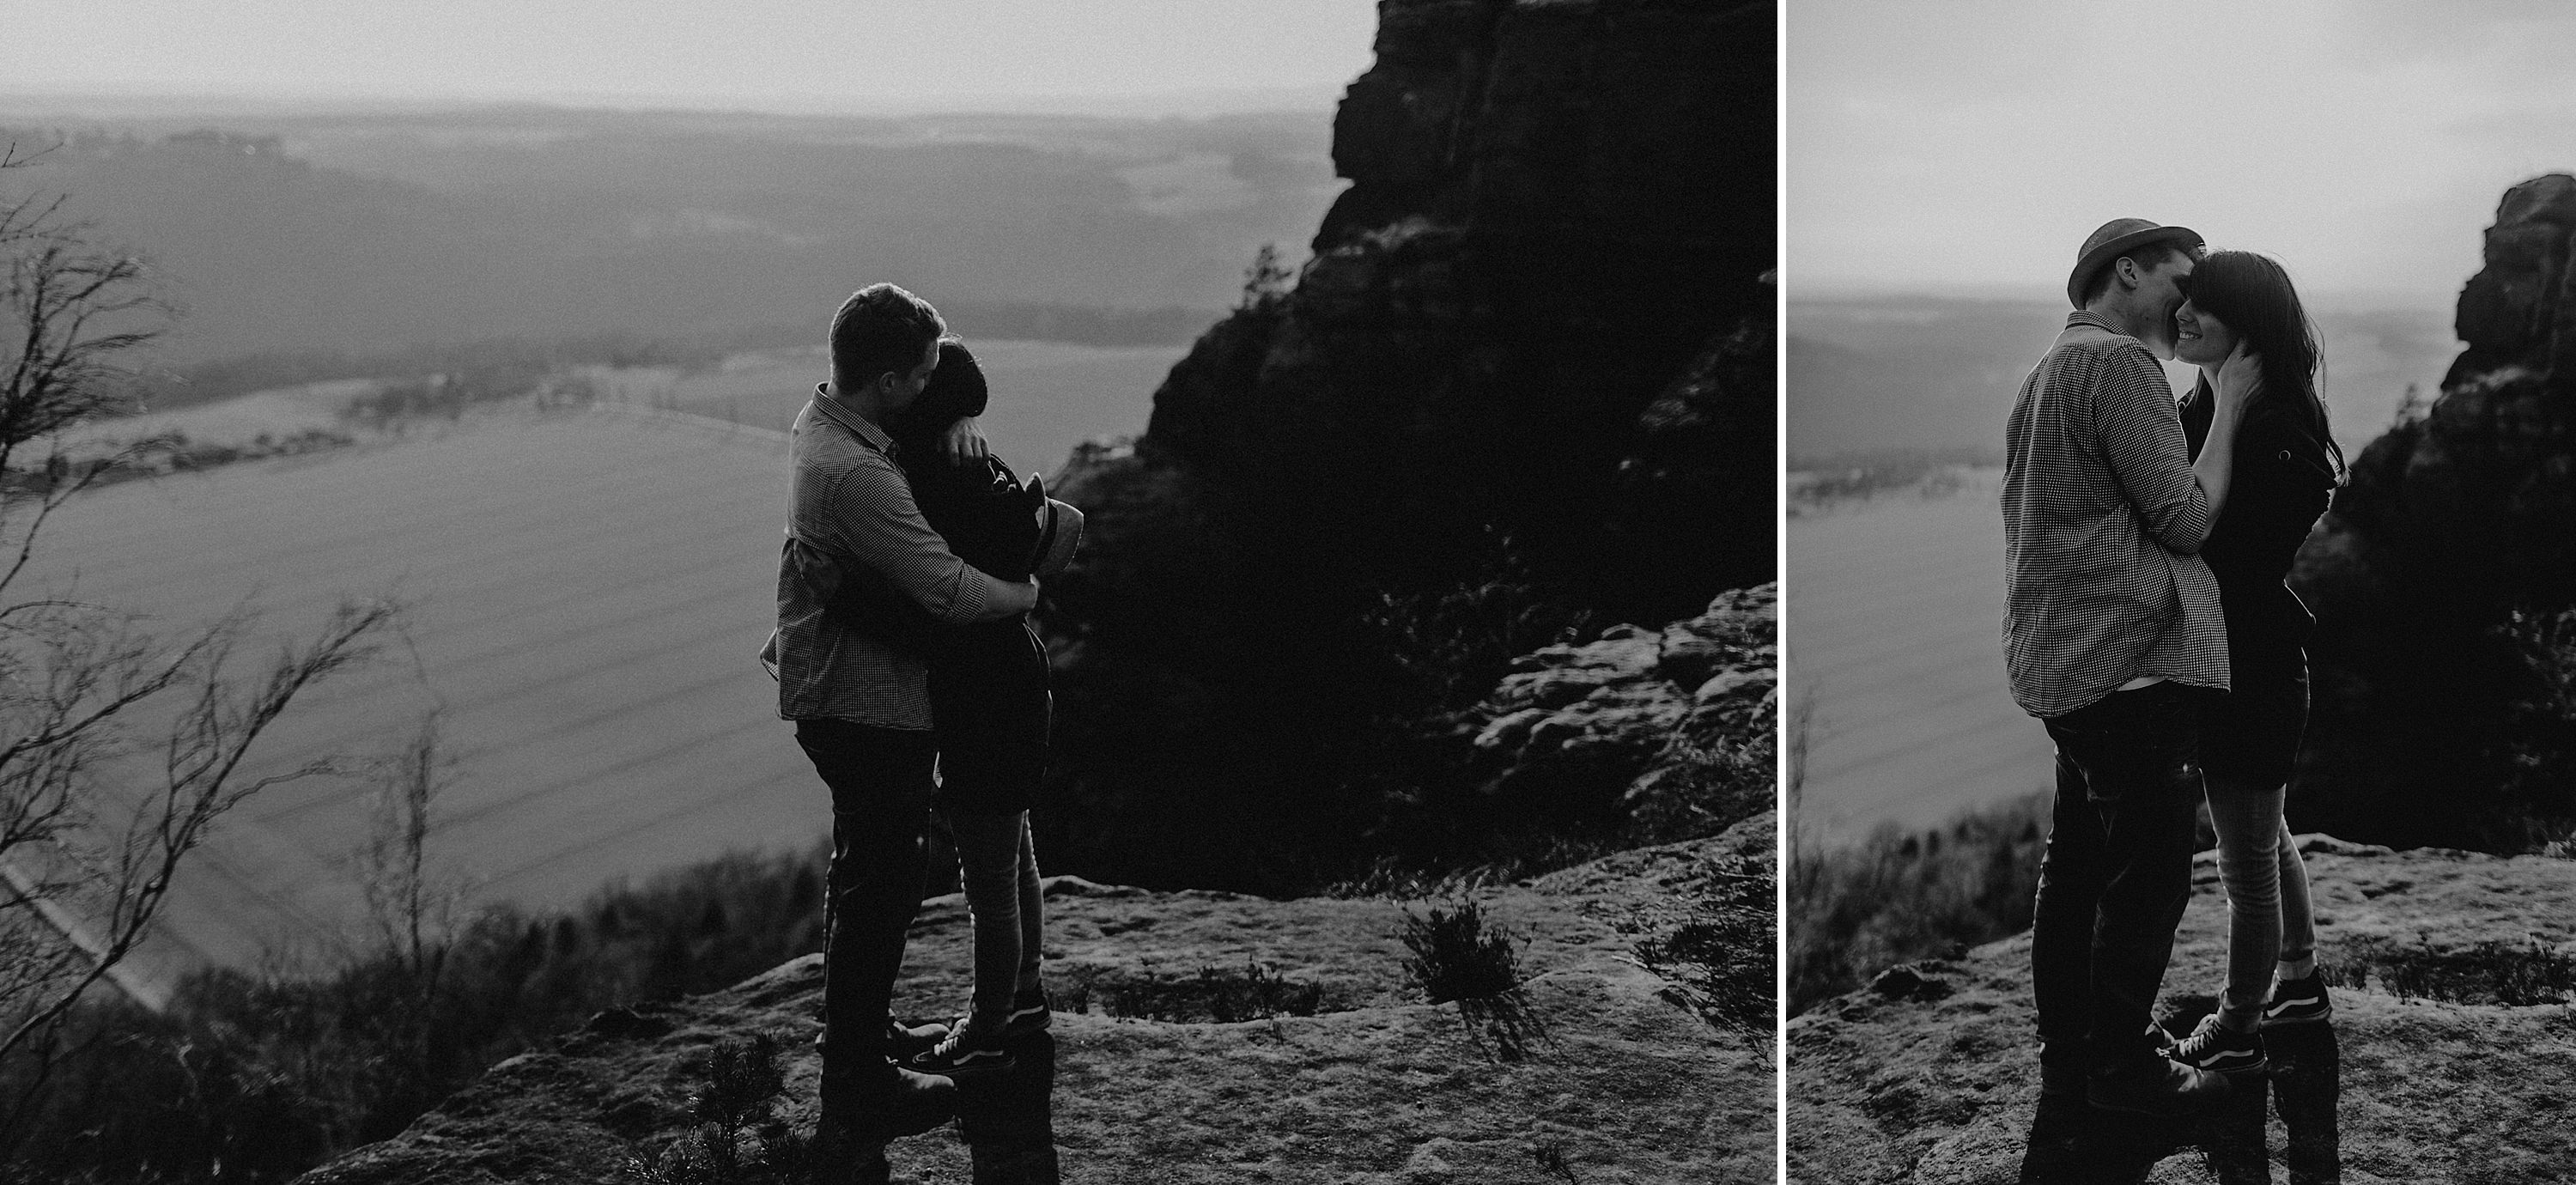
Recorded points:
955,390
2251,294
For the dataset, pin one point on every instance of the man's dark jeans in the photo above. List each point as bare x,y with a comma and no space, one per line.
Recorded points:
2117,872
881,786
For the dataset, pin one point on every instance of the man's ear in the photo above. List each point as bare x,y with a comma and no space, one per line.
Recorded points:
2125,270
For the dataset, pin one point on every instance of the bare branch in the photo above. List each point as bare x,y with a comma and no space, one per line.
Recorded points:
206,748
82,889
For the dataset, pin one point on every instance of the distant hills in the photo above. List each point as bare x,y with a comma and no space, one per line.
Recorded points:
1874,375
373,229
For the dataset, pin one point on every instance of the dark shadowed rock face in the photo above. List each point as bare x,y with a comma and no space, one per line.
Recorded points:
1538,315
2454,522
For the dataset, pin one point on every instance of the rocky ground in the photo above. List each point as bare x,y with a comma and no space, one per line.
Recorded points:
1932,1075
1376,1087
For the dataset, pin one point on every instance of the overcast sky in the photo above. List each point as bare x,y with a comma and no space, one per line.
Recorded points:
2362,142
773,54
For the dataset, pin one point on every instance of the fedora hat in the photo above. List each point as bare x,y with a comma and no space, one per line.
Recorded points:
1059,532
2116,238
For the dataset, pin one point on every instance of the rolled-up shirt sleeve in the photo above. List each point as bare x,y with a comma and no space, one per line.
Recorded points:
2142,438
882,528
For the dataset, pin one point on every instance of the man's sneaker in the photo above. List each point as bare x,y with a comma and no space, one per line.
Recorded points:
2154,1086
1030,1012
2297,1002
905,1042
904,1103
2221,1050
967,1051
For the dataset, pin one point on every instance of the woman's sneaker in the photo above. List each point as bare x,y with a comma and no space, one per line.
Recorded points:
1030,1012
967,1050
2221,1050
2297,1002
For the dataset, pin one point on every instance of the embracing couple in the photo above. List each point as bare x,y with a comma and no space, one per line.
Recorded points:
2148,625
905,658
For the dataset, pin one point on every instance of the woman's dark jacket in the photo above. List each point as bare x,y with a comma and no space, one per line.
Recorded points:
988,518
2282,480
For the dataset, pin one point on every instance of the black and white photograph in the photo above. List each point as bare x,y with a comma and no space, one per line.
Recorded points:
1000,592
2181,592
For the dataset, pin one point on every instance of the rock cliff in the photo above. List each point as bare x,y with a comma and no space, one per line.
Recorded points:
2437,574
1624,726
1536,326
1360,1084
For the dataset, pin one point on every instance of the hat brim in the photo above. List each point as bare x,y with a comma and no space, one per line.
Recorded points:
1057,539
2100,257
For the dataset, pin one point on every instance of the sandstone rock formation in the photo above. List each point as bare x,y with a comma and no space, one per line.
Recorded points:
1931,1077
1375,1088
1536,322
1637,712
2455,521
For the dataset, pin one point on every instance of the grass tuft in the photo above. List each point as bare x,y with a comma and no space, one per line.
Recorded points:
1895,898
2517,975
1215,995
1713,939
1460,957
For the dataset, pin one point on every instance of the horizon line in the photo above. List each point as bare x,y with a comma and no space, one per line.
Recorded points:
1177,101
1840,289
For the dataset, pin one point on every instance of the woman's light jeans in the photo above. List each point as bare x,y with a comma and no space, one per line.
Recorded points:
999,864
2269,918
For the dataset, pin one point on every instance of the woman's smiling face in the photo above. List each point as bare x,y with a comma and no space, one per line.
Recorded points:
2201,339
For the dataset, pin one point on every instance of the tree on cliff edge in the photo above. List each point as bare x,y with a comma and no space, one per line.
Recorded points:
89,840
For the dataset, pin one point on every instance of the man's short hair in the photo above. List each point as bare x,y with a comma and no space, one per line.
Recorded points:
2148,257
880,328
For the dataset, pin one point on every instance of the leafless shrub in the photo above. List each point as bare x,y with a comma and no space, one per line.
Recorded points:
91,837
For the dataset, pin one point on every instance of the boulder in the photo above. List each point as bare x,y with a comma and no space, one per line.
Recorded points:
1635,710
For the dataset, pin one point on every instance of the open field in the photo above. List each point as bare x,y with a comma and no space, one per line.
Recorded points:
283,412
591,589
1895,608
1046,396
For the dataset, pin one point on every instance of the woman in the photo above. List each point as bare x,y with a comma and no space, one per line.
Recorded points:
990,703
2286,468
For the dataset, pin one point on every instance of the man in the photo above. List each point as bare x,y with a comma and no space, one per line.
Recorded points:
862,709
2113,637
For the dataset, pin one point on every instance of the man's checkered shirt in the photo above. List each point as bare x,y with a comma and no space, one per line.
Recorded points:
849,504
2102,522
